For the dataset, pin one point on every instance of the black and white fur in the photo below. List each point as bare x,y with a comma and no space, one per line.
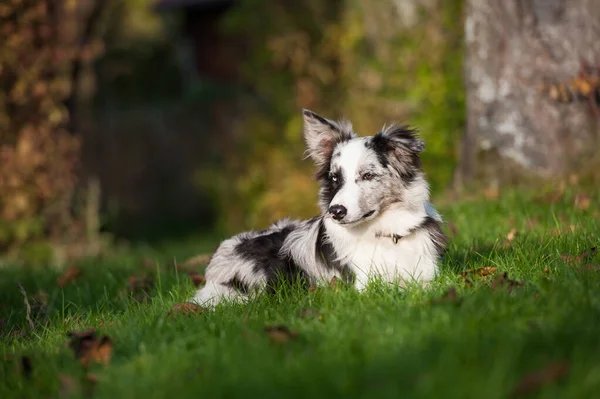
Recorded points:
376,221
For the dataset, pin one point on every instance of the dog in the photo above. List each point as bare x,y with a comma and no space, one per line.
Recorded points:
376,221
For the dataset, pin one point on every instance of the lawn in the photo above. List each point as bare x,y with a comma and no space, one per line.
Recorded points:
532,332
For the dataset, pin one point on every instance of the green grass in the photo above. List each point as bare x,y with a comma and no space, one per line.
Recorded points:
384,343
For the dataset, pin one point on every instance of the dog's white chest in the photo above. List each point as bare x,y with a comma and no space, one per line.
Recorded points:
411,258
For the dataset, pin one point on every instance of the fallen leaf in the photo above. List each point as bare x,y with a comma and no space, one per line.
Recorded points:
140,287
492,193
198,260
69,276
553,197
89,348
585,255
536,380
334,282
502,281
590,267
68,386
582,201
25,366
449,297
280,334
512,234
197,278
479,272
187,308
310,314
531,223
452,228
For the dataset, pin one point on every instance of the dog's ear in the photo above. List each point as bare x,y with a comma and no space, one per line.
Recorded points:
321,136
402,147
403,136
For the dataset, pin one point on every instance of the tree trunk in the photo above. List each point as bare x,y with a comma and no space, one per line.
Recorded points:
528,107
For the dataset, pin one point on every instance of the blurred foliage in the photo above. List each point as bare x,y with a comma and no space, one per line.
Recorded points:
373,62
38,153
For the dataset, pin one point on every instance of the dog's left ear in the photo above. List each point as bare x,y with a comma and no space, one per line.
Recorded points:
321,136
405,137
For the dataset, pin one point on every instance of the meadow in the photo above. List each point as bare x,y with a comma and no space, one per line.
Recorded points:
515,312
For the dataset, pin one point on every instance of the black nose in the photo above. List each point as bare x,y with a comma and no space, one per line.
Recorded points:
338,211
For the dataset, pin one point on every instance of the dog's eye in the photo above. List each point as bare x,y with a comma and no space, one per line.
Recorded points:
333,178
368,176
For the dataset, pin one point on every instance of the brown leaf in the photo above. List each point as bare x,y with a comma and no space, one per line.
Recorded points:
536,380
310,314
452,229
449,296
89,348
25,366
553,197
502,281
582,201
69,276
512,234
532,223
68,386
197,278
479,272
198,260
280,334
492,193
187,308
333,283
585,255
591,267
140,287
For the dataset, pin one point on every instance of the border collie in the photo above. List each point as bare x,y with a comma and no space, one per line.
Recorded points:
376,221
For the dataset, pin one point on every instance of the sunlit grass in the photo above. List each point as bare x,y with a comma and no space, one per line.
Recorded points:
387,342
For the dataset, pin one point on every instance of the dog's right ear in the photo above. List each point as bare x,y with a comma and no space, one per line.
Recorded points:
321,136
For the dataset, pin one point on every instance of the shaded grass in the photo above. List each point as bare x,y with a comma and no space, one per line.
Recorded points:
387,342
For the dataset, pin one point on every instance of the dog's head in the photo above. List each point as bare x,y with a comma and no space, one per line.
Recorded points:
361,177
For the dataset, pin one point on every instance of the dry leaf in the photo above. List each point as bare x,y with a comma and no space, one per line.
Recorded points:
479,272
536,380
187,308
68,386
25,366
452,229
582,201
72,274
140,287
531,223
197,260
590,267
280,334
512,234
492,193
197,278
88,348
553,197
310,313
569,259
449,296
334,282
502,281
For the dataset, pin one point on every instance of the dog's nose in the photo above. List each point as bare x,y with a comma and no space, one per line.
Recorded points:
338,211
